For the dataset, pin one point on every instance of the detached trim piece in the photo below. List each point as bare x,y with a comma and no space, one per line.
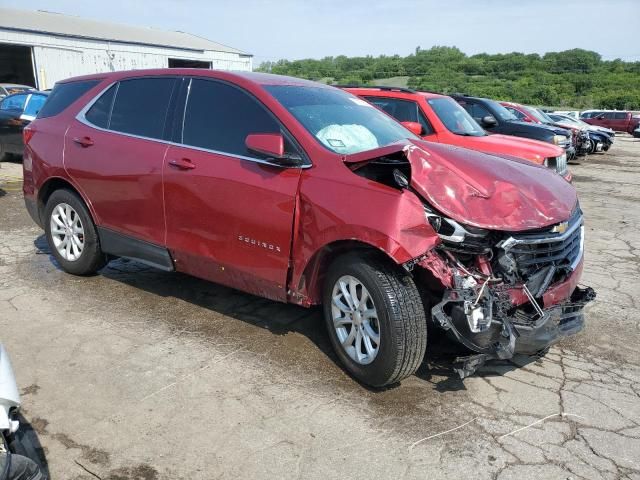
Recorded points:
121,245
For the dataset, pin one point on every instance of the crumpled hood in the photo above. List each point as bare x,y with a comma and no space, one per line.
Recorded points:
485,191
489,191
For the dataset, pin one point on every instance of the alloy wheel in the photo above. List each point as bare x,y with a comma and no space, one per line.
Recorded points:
355,319
67,232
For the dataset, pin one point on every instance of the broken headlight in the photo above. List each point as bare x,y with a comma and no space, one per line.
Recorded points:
452,231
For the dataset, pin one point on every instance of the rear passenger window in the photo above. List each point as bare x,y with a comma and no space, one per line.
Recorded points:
141,106
100,111
620,115
219,117
63,95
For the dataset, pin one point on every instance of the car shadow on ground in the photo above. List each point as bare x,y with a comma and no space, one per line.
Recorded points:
277,318
25,442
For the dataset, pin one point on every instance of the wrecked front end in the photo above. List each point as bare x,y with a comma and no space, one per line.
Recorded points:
503,279
507,293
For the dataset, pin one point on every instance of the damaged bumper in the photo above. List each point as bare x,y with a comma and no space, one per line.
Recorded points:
524,332
497,331
557,322
518,298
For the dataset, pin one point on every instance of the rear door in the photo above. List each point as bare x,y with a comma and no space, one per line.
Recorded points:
229,213
620,121
115,153
605,119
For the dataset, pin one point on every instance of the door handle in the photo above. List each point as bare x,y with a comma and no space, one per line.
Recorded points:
84,142
182,164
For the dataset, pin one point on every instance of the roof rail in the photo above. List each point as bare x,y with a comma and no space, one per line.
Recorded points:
379,87
433,91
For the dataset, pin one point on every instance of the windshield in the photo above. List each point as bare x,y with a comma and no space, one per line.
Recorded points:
502,112
455,118
340,121
537,114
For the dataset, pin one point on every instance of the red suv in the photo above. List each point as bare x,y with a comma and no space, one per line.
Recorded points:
304,193
616,120
441,119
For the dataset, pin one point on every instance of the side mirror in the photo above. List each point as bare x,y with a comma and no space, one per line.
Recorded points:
489,121
414,127
271,145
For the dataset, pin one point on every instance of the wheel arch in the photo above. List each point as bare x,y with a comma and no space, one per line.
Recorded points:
307,286
58,183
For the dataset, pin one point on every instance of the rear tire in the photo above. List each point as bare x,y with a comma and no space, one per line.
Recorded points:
72,235
400,324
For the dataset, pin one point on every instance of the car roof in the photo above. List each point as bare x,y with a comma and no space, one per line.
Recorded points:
253,77
387,91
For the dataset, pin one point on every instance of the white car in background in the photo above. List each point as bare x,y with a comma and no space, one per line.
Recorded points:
569,113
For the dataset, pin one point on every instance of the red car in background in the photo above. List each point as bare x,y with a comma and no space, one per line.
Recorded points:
618,121
439,118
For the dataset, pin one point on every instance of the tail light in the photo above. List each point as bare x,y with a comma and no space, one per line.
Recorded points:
27,134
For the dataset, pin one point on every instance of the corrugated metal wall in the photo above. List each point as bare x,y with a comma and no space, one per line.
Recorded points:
57,58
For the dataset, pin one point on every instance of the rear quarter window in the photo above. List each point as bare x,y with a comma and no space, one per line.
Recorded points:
63,95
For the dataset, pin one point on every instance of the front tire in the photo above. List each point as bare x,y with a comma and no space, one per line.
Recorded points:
72,235
375,318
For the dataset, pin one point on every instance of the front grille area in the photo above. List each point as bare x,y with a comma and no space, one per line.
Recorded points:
560,247
559,164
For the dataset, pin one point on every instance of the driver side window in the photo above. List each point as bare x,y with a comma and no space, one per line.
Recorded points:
478,112
403,111
219,117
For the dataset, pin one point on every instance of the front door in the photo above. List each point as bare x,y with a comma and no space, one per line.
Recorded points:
229,214
115,155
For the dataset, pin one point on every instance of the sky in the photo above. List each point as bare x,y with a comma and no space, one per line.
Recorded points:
272,29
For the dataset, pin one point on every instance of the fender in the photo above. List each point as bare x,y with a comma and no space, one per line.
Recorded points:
383,219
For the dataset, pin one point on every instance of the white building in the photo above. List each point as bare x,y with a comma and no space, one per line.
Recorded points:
39,48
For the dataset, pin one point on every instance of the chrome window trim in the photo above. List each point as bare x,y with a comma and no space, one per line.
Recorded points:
82,119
